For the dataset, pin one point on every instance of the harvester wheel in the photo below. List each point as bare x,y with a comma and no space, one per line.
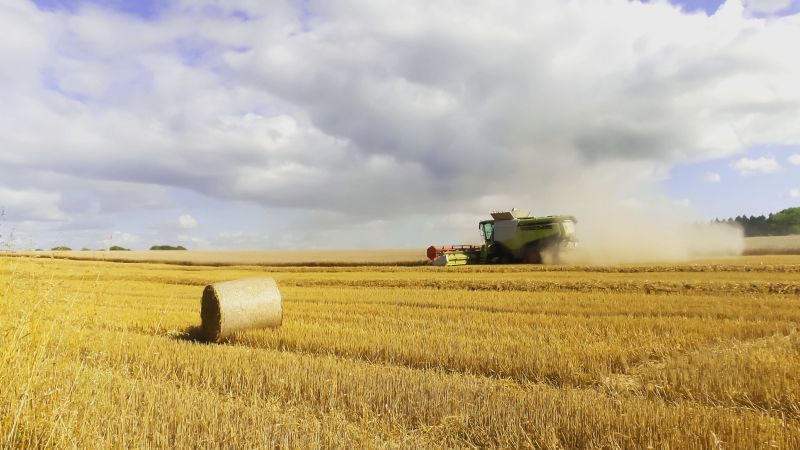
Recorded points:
533,254
499,255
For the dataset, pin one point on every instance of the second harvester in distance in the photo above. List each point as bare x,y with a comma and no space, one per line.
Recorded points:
510,237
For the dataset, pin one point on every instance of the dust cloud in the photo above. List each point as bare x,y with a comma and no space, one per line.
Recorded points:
657,231
640,239
624,220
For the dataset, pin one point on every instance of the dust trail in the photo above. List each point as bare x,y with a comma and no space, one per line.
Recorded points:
635,242
650,235
623,218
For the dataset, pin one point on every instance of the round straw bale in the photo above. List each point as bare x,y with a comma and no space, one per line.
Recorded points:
239,305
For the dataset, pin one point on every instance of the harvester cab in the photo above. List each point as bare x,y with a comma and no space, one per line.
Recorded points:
512,237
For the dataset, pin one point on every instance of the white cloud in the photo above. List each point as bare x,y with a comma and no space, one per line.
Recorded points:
712,177
767,6
794,193
380,109
186,222
795,159
30,204
763,165
121,238
185,238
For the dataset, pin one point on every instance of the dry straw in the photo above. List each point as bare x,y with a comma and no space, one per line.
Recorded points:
239,305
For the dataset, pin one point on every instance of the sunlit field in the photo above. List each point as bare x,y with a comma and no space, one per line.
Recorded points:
227,258
703,354
789,245
773,244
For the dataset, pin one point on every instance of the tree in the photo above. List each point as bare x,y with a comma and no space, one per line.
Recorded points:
784,222
787,221
167,247
115,248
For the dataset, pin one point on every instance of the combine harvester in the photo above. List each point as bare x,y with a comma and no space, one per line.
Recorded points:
511,237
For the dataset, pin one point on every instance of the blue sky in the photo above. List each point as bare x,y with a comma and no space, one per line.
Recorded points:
146,9
762,8
150,9
354,123
720,190
707,6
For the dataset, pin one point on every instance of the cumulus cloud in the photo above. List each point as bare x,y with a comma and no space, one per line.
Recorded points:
712,177
188,239
30,204
795,159
794,193
186,222
378,109
763,165
767,6
121,238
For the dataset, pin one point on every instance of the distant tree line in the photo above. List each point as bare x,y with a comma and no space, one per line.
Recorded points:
116,248
782,223
167,247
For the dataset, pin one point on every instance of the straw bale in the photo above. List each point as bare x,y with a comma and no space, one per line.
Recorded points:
239,305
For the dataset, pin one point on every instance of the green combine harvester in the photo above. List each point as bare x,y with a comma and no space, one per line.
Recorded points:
511,237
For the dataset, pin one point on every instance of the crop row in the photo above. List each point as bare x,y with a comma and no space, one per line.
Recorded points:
562,339
98,355
156,388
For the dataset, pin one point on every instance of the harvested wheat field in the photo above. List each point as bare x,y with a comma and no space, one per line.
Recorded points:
766,245
693,355
255,257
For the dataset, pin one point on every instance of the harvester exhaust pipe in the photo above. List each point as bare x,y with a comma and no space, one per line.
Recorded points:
239,305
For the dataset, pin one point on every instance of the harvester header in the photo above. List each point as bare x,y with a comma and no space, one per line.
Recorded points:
511,237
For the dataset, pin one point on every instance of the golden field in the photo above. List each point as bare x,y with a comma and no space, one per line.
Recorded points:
762,245
702,354
765,245
252,257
